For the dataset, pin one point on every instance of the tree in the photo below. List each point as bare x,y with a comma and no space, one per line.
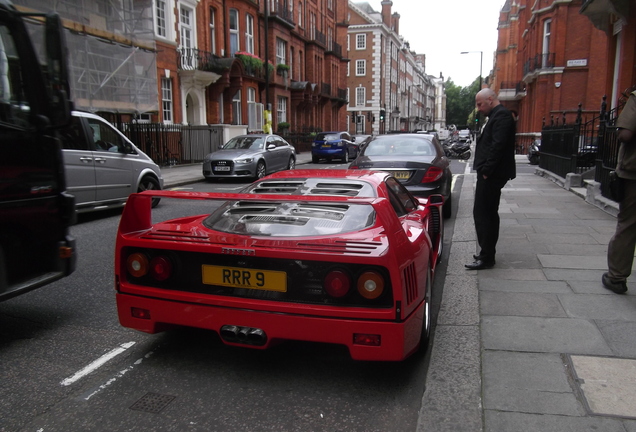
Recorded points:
460,103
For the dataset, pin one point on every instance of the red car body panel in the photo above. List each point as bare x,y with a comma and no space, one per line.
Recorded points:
401,249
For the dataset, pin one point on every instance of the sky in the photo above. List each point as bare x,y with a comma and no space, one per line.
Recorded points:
442,29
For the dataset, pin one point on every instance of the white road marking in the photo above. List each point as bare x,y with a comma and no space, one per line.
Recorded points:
97,364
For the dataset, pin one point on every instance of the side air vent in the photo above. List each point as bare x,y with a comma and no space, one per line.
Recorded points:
345,189
410,283
277,187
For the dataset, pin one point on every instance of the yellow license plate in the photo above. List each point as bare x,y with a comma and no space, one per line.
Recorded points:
236,277
401,175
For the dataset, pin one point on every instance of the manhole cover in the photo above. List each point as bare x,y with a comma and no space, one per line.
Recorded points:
607,384
152,402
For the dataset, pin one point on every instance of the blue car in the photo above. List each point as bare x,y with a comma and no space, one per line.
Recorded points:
334,145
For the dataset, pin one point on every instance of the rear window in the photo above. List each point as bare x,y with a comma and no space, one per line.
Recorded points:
290,219
327,137
402,146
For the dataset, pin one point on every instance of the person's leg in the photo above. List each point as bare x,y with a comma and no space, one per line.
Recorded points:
620,251
486,215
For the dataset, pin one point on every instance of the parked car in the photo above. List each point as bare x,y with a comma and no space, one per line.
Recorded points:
464,135
330,256
102,166
418,161
252,156
333,145
361,141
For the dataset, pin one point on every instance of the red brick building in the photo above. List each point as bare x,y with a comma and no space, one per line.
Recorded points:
617,19
211,62
549,59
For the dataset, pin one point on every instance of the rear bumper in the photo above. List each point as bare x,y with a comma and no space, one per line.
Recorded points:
339,152
397,339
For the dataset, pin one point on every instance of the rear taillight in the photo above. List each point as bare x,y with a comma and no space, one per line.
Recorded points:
353,167
137,265
432,174
370,285
160,268
337,283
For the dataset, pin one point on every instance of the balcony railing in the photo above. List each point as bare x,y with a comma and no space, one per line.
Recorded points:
518,87
281,11
334,48
540,61
342,94
320,37
191,59
325,89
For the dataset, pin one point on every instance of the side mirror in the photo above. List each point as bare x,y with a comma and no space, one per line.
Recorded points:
271,146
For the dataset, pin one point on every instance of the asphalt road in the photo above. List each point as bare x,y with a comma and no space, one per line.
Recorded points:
67,364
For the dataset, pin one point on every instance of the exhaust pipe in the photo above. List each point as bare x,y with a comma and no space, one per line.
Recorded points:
243,335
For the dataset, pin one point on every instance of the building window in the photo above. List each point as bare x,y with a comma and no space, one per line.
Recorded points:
281,109
312,26
160,11
291,63
329,39
330,4
236,109
166,99
234,32
361,93
212,32
281,48
361,41
361,67
249,34
547,24
186,27
300,14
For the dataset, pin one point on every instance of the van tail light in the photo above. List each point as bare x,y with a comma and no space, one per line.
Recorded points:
432,174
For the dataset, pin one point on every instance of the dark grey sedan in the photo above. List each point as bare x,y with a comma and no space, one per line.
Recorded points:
252,156
415,160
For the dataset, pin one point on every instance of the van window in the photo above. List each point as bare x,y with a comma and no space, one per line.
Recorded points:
73,137
105,137
14,108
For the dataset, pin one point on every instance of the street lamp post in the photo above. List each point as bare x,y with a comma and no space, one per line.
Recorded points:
481,62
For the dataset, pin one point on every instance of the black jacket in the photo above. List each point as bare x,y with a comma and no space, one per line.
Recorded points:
495,149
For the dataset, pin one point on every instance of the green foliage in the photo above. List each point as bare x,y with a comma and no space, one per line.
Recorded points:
283,125
460,103
250,61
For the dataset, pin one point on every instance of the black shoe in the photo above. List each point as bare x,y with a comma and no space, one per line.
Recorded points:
477,257
480,264
617,287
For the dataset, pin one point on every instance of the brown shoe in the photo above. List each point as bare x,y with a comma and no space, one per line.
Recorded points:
617,287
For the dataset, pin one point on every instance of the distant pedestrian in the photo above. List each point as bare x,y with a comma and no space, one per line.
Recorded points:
495,165
620,251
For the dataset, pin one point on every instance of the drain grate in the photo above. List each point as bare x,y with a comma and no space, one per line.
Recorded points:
152,402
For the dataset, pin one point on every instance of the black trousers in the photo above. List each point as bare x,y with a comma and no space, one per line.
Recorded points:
486,214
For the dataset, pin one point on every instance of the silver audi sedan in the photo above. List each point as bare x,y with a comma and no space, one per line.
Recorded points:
252,156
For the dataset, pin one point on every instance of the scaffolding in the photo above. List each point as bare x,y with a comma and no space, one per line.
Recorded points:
112,57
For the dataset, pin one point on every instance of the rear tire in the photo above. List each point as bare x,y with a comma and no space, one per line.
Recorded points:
447,210
346,156
426,321
315,159
150,183
292,163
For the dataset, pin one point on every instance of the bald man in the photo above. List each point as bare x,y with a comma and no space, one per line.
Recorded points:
495,165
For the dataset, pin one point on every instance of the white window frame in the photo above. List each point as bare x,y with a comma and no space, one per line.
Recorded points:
361,41
212,30
249,33
361,67
161,19
281,49
237,108
361,95
187,29
545,49
300,14
234,32
281,109
166,100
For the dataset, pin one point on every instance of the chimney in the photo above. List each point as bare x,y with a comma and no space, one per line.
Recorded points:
396,22
386,12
